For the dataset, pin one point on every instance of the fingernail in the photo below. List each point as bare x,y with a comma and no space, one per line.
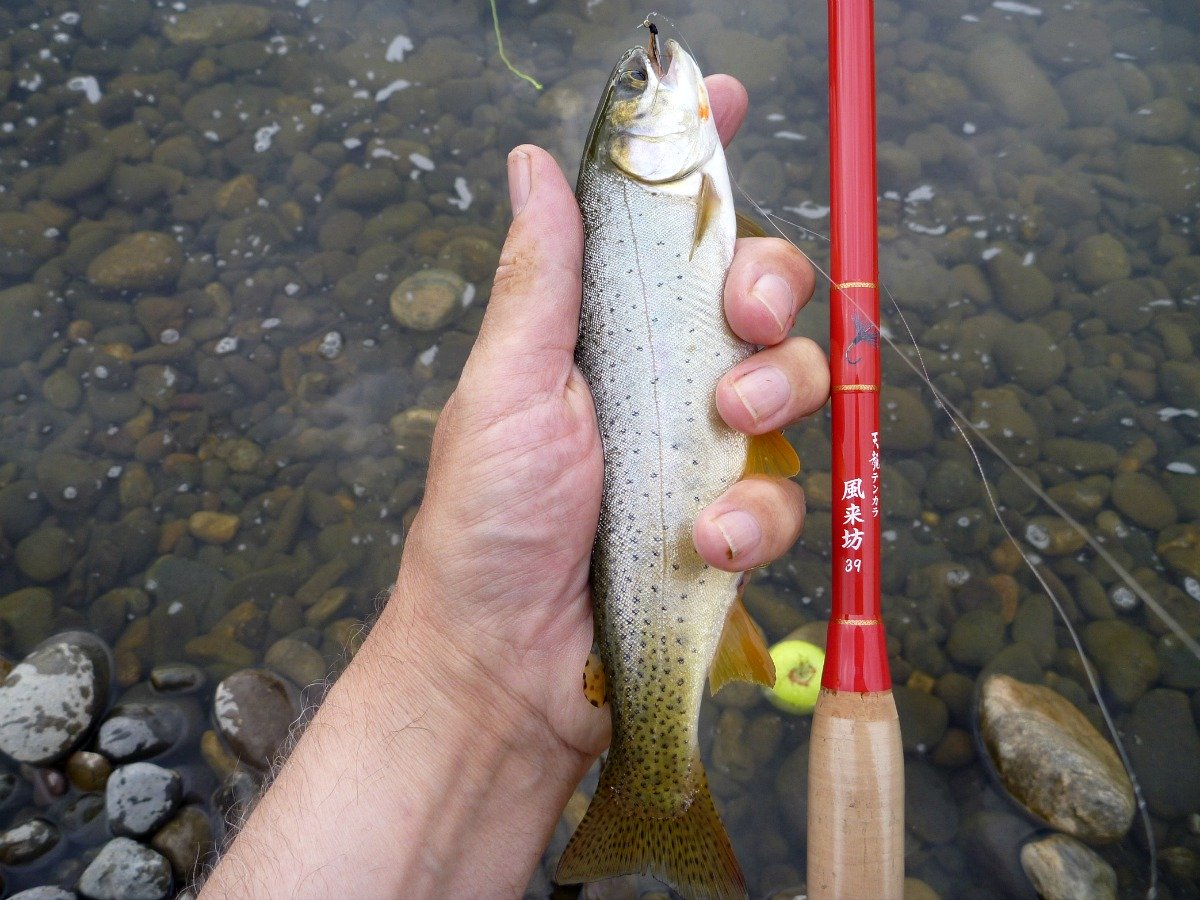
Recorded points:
763,392
518,180
740,530
775,294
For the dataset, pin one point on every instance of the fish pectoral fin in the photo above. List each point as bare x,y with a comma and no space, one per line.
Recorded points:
771,454
707,204
748,227
690,852
595,683
742,653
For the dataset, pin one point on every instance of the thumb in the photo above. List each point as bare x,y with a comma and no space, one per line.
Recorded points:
532,317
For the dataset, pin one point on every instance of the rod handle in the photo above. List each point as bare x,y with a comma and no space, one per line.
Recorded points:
855,798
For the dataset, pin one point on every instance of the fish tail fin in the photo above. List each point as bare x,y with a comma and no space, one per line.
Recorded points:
690,852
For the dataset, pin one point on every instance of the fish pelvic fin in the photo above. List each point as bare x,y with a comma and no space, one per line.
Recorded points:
742,654
690,852
771,454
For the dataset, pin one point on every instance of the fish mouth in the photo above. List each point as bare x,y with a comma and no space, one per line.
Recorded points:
659,61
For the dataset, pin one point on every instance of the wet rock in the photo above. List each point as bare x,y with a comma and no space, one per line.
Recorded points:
221,23
1022,288
1061,868
1029,356
135,731
923,719
429,300
1100,259
976,636
24,245
1142,499
1053,536
182,678
1164,120
213,527
141,261
993,841
126,870
1082,457
1165,750
1052,760
185,841
28,616
254,710
88,771
1125,305
1168,176
24,843
26,320
174,579
52,697
140,797
905,420
1000,414
1005,74
930,811
413,433
1124,655
1093,97
45,892
301,663
46,554
368,188
84,171
113,20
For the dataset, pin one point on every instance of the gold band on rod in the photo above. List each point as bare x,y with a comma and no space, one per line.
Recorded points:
844,388
856,284
857,620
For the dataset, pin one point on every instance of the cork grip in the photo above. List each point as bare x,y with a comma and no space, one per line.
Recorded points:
855,798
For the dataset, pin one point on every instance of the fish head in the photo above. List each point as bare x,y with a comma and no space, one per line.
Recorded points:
655,123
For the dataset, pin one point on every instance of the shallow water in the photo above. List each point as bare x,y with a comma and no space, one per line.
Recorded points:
288,168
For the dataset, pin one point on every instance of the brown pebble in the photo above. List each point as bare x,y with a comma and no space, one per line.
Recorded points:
88,771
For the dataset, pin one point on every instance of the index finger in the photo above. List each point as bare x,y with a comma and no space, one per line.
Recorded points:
729,101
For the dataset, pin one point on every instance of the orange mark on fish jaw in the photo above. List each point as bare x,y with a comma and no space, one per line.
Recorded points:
704,110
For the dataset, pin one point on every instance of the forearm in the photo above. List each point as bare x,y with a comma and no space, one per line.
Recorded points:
414,779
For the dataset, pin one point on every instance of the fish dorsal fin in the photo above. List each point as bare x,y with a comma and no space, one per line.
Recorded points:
707,204
742,653
771,454
748,227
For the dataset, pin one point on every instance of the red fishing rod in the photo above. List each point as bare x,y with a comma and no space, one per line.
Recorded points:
856,764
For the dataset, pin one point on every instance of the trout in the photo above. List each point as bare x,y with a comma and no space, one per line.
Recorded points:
653,341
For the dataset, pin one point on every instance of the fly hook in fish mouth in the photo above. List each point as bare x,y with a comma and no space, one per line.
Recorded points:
652,49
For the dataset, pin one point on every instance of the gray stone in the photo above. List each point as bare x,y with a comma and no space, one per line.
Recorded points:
52,697
923,719
1005,74
1051,759
134,731
1164,747
126,870
1143,500
44,892
1124,655
26,842
930,811
140,797
1168,176
1061,868
1100,259
429,300
142,261
254,711
221,23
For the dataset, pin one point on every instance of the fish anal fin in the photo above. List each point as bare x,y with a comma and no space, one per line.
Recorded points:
707,205
595,684
748,227
742,653
690,852
771,454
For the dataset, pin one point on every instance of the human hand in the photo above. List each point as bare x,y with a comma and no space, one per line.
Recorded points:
497,560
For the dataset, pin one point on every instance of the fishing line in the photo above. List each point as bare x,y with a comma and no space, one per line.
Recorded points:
959,419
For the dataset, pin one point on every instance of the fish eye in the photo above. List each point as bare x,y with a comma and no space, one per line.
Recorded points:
634,78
